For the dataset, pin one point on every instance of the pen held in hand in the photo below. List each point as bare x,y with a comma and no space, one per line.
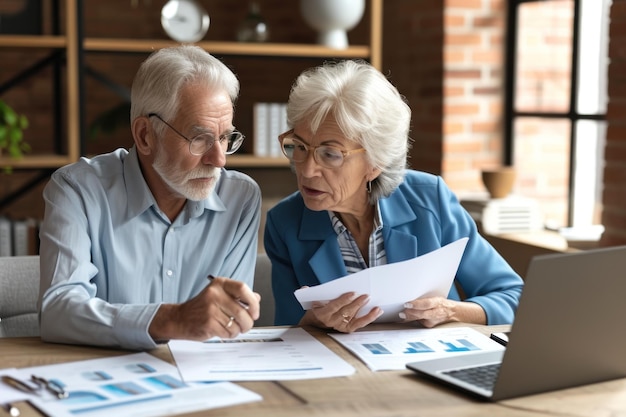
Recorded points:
241,303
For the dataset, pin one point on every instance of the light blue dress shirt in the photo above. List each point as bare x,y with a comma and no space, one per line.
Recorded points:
110,257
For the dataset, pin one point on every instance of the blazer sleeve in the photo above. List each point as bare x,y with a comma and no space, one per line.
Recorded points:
288,310
484,275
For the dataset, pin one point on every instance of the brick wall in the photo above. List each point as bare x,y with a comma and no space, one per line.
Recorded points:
447,59
614,195
473,80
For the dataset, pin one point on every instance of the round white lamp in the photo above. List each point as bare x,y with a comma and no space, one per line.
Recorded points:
332,19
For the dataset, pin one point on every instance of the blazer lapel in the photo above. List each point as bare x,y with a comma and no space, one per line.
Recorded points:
399,245
316,232
327,263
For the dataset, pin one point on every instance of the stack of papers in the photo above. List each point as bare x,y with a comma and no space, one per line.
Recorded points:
136,384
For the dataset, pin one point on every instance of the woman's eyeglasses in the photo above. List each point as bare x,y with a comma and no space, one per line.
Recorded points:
200,144
325,155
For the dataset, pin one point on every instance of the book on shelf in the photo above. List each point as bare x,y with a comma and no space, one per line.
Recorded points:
19,237
275,128
260,115
6,239
270,120
25,237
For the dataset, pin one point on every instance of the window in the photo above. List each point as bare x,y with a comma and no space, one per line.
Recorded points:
555,105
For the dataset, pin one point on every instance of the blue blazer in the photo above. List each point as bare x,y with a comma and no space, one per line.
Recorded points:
421,215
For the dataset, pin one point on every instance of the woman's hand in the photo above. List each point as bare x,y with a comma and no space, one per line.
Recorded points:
432,311
339,314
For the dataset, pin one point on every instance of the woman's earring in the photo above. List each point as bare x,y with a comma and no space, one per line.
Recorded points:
368,187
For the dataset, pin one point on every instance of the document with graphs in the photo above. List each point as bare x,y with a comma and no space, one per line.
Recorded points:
392,349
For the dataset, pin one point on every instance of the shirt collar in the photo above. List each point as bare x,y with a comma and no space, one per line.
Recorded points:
138,194
339,227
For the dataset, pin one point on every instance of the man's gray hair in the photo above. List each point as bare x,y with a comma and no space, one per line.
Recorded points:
160,78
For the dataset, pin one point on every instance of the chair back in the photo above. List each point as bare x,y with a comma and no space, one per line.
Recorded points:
263,285
19,292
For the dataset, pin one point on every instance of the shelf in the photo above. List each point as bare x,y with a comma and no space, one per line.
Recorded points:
55,161
251,161
22,41
36,161
227,48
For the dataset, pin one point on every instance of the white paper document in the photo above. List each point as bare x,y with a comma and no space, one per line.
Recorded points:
390,286
393,349
136,384
263,354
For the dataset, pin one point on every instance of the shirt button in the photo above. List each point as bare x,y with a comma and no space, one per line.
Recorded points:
169,273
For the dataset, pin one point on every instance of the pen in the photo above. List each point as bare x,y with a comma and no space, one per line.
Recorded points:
51,386
241,303
18,384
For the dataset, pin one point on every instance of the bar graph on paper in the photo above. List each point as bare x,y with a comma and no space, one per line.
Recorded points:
392,349
458,345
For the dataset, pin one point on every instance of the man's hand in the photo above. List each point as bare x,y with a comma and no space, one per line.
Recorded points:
224,308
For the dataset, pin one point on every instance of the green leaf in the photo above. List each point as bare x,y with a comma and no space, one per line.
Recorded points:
22,122
15,135
10,117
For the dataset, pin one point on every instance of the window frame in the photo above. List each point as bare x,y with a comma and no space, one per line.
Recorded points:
511,115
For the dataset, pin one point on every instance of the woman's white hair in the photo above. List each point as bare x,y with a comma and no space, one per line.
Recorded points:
368,109
160,78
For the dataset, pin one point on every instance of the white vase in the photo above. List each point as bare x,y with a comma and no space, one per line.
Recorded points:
332,19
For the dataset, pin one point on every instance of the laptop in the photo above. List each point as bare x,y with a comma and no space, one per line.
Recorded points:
568,330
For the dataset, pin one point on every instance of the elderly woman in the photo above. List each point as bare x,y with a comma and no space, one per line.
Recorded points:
359,207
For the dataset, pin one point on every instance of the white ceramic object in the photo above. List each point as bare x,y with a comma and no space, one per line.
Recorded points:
332,19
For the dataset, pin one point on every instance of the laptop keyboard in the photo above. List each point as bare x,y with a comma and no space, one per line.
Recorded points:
483,376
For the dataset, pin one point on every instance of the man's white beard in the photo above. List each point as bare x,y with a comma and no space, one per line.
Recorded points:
180,182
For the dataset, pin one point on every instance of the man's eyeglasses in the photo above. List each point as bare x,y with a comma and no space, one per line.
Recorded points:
325,155
200,144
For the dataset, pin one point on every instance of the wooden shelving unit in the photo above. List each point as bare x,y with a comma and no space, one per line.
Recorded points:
70,44
74,47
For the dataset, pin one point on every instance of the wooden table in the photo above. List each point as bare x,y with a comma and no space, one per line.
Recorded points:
365,393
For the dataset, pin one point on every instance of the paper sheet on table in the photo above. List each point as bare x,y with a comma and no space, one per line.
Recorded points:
262,354
390,286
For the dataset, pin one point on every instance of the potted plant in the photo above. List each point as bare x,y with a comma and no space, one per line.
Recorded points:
12,127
